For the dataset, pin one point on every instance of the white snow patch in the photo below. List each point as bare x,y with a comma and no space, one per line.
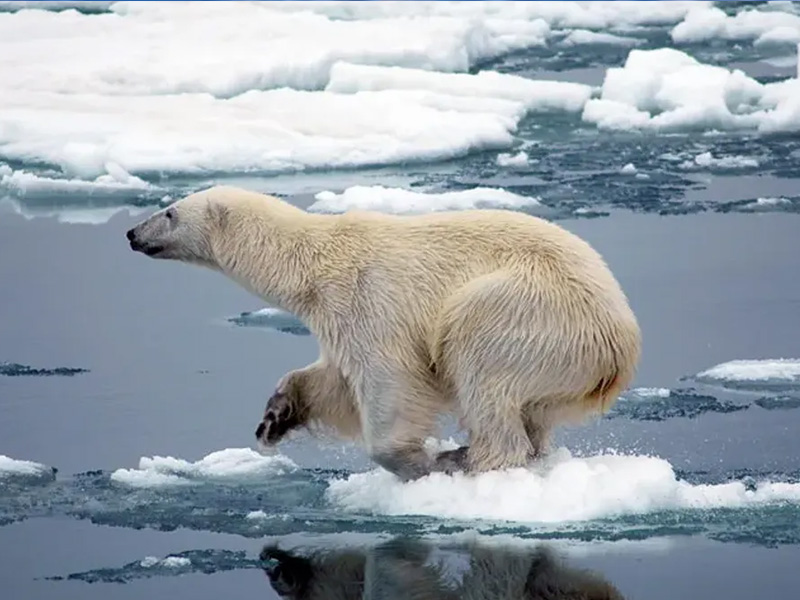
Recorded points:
779,35
520,159
580,37
707,160
643,392
227,48
402,201
115,180
763,26
280,130
532,94
232,464
563,488
590,15
666,89
770,201
10,467
779,369
260,515
170,562
174,562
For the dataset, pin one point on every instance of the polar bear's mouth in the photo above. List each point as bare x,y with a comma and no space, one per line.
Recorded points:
153,250
148,249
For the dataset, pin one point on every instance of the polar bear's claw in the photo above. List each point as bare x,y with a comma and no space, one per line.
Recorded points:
280,416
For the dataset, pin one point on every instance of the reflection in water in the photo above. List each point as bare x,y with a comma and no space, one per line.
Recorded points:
412,569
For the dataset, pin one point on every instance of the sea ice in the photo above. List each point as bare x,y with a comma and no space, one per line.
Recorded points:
402,201
779,369
580,37
707,160
232,464
520,159
564,488
666,89
763,26
11,468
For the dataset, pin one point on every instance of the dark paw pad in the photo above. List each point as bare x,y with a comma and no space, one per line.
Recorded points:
280,416
451,461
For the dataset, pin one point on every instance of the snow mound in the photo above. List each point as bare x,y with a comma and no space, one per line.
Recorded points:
518,160
763,26
22,471
564,488
233,464
667,90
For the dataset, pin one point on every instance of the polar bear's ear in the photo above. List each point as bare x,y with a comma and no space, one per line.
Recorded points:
218,213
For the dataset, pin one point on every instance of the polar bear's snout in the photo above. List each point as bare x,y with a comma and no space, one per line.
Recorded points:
140,245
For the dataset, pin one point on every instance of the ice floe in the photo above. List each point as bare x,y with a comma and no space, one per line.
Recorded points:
666,89
232,464
777,373
402,201
564,488
21,471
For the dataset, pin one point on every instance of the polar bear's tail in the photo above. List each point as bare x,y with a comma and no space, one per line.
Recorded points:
619,373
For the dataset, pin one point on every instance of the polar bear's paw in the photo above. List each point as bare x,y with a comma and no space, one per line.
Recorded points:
281,416
450,461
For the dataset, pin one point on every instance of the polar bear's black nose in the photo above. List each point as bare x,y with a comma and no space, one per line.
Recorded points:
130,235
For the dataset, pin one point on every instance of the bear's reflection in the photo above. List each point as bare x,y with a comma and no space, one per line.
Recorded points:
411,569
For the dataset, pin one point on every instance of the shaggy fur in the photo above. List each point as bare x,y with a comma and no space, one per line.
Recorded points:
508,320
403,568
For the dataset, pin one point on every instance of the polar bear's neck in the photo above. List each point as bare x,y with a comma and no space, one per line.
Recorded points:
274,253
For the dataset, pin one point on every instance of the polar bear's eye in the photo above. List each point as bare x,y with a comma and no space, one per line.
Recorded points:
171,214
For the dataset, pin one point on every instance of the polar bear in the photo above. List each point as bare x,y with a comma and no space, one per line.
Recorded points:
507,320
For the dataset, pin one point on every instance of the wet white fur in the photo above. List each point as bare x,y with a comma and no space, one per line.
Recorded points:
508,320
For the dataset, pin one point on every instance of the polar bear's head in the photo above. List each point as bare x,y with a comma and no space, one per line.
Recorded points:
183,231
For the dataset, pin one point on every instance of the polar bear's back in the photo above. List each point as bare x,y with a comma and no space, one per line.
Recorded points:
470,243
531,302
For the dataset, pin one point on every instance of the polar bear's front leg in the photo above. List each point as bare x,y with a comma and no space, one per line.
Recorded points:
316,394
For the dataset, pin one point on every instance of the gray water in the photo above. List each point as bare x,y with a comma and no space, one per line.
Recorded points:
168,375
